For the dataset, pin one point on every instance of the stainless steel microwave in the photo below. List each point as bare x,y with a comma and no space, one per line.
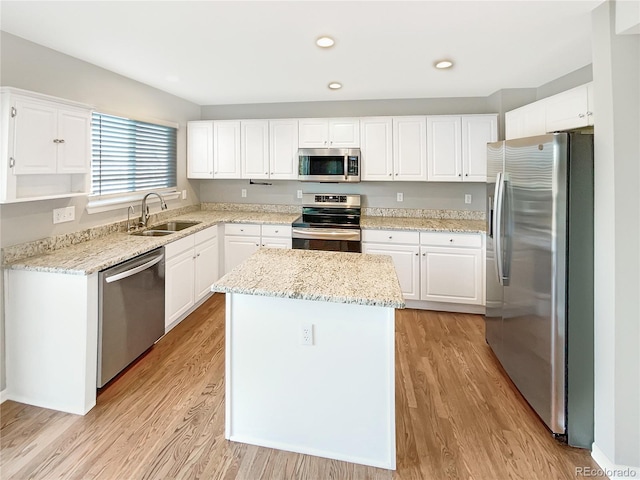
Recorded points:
329,165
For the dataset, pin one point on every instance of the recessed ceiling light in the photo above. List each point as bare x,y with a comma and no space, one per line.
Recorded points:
442,64
335,85
325,42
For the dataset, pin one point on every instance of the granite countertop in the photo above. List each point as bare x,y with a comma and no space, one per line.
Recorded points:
339,277
94,255
423,224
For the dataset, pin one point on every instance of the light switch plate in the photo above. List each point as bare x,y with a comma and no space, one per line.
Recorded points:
66,214
400,197
244,193
467,199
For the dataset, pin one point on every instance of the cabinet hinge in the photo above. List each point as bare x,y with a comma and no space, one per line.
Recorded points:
14,112
12,162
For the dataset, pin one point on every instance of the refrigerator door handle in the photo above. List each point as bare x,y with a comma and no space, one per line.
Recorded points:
497,224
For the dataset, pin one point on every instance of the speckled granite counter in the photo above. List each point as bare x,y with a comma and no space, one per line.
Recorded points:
316,275
94,255
423,224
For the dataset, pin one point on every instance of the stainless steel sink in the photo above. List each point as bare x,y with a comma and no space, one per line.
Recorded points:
174,225
152,233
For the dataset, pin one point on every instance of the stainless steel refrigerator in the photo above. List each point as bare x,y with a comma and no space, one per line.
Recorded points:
539,304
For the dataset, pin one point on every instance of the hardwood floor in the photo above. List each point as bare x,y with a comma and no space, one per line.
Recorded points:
458,416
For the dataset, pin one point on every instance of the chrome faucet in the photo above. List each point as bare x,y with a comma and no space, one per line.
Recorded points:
144,218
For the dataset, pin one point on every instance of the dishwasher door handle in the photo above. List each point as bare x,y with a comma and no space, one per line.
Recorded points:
133,271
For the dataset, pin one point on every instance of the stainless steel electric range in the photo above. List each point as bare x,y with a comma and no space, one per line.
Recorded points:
328,222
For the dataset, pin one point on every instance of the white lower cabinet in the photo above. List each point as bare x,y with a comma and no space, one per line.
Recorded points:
452,268
405,252
191,266
433,266
242,240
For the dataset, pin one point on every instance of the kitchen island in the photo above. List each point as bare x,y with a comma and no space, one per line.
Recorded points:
310,353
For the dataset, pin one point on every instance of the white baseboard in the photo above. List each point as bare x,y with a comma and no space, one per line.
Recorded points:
3,395
445,307
609,468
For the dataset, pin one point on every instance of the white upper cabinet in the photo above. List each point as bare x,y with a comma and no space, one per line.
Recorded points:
477,131
376,146
410,148
200,149
51,139
283,149
570,109
526,121
329,132
457,145
45,147
226,149
564,111
254,148
444,148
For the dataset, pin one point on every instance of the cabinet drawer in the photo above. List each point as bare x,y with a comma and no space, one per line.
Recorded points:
451,239
174,248
276,230
241,229
391,236
206,234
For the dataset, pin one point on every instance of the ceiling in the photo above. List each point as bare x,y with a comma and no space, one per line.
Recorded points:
235,52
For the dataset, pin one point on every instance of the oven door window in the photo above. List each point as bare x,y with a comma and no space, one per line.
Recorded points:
321,165
327,245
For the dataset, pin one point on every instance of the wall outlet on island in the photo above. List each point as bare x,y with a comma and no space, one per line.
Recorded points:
306,334
467,198
400,197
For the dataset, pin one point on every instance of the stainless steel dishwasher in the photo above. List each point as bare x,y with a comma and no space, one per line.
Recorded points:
131,311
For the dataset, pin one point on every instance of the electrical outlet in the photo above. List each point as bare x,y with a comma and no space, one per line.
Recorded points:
400,197
467,198
299,193
306,334
184,194
67,214
244,193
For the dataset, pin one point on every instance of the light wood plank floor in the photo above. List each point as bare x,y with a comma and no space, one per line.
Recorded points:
458,416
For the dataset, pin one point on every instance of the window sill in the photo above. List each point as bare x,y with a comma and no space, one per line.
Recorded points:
99,205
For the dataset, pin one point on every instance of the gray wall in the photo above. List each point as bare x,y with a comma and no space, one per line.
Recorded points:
616,75
32,67
448,196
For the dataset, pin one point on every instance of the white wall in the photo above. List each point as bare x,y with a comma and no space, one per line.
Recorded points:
616,75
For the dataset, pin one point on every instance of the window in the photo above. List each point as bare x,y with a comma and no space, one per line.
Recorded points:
131,156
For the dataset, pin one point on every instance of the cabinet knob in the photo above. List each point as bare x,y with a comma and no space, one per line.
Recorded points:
198,255
257,244
459,174
581,115
396,174
589,114
389,174
211,173
466,174
451,240
424,254
390,237
266,173
416,254
277,231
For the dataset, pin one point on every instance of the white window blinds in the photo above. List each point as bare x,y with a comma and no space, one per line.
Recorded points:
130,156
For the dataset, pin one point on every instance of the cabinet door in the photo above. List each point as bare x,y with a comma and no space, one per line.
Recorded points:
237,249
74,134
276,242
283,149
344,133
254,150
313,133
406,262
206,268
568,109
377,148
226,149
200,149
35,130
410,148
451,275
179,286
444,154
477,131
